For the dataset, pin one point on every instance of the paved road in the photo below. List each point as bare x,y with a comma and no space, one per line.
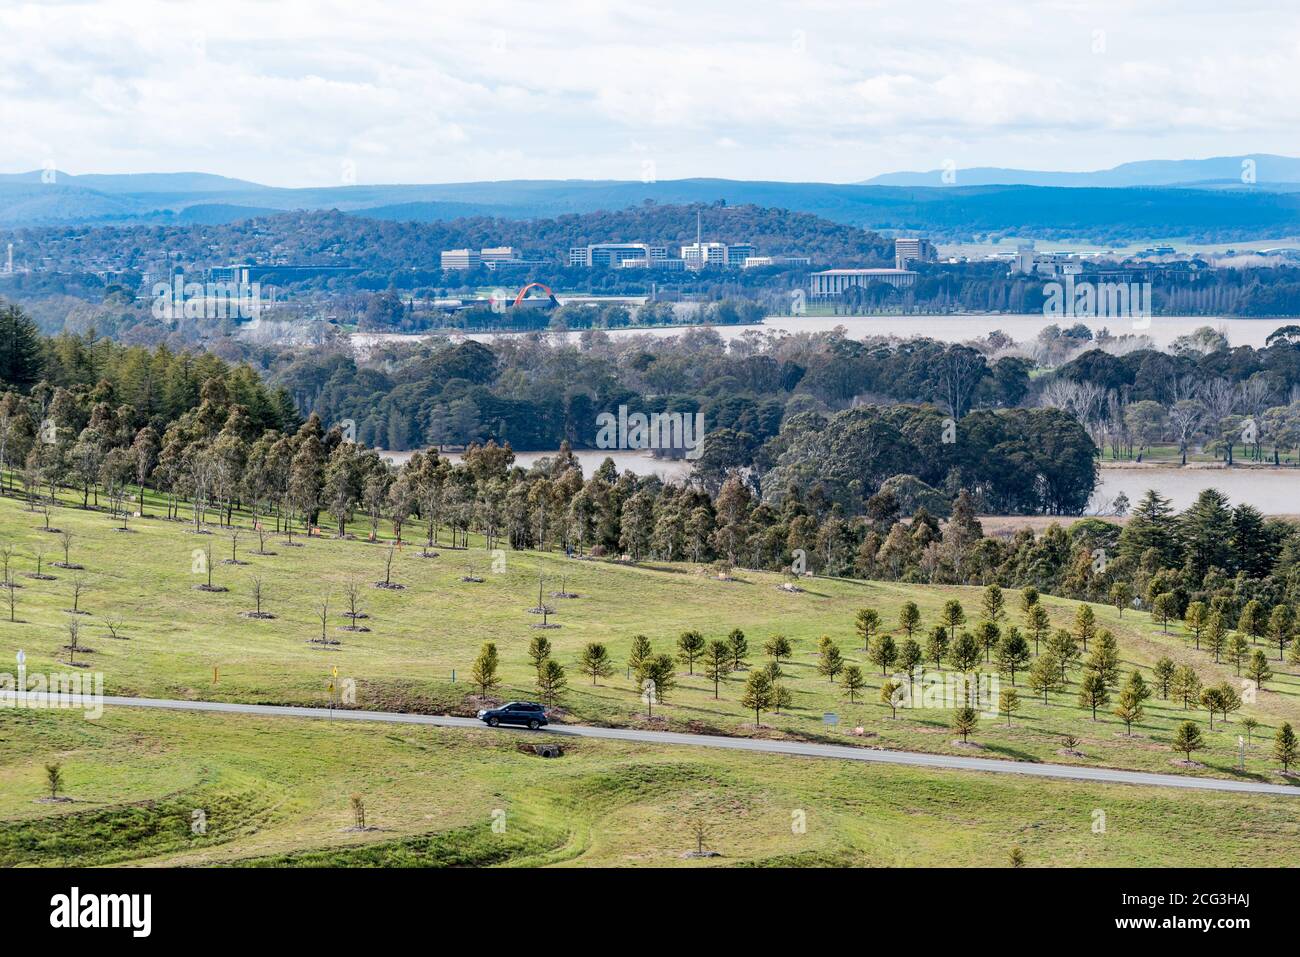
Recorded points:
802,749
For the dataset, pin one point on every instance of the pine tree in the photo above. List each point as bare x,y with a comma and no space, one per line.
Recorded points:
1185,686
1258,670
739,647
1195,619
1164,672
641,651
1121,596
889,692
952,617
595,662
1065,649
964,721
1085,625
1216,635
1188,738
994,603
1238,650
1008,703
987,634
1093,692
1039,623
852,682
778,648
1045,675
551,681
829,660
21,355
1012,653
1285,747
1252,621
1129,708
690,645
717,663
909,618
484,672
1279,628
758,694
885,653
936,646
539,649
866,623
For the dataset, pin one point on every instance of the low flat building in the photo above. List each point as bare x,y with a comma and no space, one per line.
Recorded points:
832,283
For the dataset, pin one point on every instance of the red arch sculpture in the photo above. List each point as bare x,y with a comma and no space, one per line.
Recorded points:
535,285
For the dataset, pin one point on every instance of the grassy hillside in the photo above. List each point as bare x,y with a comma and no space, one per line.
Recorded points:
184,643
277,791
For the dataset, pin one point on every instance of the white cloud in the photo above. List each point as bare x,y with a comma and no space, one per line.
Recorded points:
284,92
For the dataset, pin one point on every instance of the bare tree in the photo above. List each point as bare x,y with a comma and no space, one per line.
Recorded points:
66,538
353,591
323,610
233,533
74,638
388,563
1185,416
79,588
259,592
114,626
11,596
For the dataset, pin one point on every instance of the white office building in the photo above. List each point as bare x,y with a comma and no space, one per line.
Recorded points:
832,283
461,259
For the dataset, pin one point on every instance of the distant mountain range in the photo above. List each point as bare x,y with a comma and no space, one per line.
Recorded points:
1199,199
1265,169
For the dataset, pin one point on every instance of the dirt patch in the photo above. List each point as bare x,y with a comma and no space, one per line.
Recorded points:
1184,763
1070,753
390,586
969,745
257,615
211,588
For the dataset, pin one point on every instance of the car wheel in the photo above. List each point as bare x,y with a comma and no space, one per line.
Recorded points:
493,722
533,725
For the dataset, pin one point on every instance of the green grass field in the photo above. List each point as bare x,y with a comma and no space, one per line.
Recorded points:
184,643
276,791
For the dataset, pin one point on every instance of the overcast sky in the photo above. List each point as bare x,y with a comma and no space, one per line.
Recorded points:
298,93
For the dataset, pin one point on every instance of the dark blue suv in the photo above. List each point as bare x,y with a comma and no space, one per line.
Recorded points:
527,713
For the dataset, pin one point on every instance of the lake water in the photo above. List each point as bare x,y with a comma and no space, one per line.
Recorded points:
641,463
1162,329
1272,491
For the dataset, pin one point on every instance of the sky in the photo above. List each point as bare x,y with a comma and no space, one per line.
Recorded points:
324,93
